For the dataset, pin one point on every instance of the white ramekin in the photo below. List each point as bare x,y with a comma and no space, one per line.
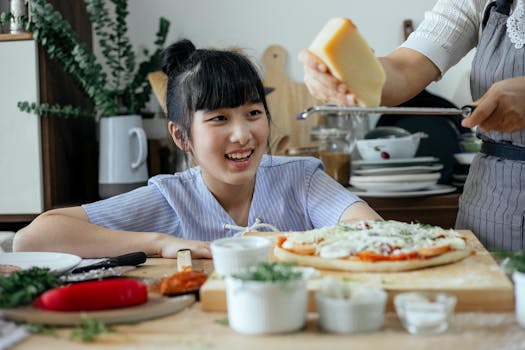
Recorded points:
256,307
353,315
232,254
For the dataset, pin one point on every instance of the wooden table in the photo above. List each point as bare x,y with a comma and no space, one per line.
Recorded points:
195,329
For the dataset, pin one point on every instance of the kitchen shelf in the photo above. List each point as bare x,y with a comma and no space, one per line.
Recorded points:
13,37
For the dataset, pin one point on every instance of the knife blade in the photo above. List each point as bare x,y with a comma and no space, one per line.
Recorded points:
130,259
464,111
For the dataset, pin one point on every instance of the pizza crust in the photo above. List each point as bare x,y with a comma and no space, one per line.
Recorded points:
378,266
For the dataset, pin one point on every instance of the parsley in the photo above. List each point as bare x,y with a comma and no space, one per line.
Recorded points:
512,261
270,272
42,329
88,329
222,321
22,287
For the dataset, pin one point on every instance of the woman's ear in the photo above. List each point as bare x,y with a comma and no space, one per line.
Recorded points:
177,136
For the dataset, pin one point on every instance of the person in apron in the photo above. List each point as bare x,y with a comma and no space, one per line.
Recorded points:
493,201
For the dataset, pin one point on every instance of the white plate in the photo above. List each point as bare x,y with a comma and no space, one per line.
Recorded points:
393,186
436,189
412,169
394,162
403,178
56,262
459,177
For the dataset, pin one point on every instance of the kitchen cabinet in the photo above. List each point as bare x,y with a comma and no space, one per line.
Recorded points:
46,162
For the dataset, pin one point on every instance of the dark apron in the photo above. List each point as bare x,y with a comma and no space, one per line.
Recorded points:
493,201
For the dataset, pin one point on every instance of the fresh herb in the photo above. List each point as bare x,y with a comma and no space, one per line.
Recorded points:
88,329
222,321
270,272
512,261
22,287
423,225
44,329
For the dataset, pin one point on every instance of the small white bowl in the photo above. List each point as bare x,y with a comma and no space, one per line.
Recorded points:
425,313
232,254
352,315
389,148
256,307
464,158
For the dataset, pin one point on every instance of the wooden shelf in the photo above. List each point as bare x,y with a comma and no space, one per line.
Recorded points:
440,210
13,37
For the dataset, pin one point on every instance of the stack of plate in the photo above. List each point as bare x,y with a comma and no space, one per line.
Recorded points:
408,177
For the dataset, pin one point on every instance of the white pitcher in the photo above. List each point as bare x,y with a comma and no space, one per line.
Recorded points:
122,156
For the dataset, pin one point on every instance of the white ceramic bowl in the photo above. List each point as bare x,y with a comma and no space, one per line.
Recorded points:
519,292
425,313
232,254
353,315
464,158
256,307
389,148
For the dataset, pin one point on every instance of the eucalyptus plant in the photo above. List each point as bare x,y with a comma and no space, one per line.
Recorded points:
126,89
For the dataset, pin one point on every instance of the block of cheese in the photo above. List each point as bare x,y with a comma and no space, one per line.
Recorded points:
342,48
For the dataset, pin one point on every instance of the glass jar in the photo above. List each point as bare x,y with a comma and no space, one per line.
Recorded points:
334,152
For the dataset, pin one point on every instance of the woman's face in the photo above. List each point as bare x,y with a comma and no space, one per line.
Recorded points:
228,143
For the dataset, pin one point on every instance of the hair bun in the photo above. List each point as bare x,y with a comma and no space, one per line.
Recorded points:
175,54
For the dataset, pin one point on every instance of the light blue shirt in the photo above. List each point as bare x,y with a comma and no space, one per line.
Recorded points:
291,193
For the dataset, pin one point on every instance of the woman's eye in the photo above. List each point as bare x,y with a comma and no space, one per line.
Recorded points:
217,118
255,112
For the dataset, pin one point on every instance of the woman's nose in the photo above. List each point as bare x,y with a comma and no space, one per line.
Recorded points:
241,133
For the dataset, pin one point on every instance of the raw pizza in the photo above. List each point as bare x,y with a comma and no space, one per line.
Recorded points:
373,246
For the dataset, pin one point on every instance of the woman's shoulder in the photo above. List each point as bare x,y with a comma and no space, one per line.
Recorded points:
184,177
273,162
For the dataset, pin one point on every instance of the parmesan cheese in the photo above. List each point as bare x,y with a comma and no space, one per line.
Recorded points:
349,58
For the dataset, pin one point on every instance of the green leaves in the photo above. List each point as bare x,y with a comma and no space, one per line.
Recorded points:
127,90
270,272
512,261
89,329
22,287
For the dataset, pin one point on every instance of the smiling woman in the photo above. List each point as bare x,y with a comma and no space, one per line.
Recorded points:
217,112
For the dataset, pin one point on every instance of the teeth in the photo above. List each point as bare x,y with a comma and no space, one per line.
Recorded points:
239,155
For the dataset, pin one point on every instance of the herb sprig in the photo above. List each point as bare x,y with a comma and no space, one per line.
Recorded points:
270,272
512,261
22,287
89,329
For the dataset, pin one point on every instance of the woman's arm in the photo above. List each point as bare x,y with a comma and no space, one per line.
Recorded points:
407,73
359,211
68,230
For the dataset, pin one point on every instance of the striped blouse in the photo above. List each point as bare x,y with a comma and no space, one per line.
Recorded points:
291,193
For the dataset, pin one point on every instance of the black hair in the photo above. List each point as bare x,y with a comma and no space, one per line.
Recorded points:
207,79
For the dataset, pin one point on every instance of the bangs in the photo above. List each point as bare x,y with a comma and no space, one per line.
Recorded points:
225,82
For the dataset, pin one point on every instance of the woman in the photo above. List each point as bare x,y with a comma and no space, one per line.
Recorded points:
493,201
218,112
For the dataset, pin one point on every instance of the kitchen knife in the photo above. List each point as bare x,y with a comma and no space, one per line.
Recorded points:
130,259
464,111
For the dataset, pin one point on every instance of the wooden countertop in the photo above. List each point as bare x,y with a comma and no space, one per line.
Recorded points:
194,329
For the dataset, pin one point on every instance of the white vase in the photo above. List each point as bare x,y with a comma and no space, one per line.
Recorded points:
122,156
519,296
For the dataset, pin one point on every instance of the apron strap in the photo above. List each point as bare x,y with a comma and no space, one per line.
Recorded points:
501,6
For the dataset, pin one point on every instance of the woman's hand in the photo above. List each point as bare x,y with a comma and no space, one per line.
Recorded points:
502,108
199,249
321,84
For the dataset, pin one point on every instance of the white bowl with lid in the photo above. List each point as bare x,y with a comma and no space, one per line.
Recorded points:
233,254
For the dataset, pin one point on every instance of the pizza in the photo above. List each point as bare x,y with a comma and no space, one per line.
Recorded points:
373,246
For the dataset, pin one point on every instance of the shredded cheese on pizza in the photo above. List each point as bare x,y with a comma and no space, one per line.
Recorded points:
371,240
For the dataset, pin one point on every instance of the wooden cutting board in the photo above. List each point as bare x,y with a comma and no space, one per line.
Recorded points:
286,101
157,306
477,282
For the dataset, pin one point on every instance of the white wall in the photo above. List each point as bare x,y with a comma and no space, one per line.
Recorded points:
254,25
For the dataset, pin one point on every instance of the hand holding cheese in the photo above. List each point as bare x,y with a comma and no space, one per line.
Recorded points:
349,58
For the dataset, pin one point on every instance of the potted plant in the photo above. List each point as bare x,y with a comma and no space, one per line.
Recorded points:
117,96
514,263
